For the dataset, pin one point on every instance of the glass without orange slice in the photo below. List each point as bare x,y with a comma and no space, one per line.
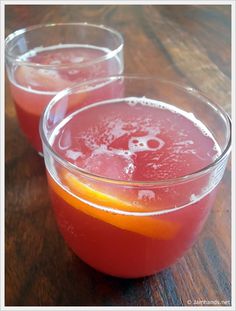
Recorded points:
132,179
45,59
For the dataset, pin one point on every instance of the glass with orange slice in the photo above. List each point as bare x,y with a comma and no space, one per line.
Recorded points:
133,176
44,59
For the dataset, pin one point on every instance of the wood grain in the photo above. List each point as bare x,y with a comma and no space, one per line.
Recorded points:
190,44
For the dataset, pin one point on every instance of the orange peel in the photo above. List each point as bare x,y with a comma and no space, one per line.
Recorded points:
149,226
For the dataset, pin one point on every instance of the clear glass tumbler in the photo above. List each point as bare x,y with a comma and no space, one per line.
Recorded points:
44,59
133,175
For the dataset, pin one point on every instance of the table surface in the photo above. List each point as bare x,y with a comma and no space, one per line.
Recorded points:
188,44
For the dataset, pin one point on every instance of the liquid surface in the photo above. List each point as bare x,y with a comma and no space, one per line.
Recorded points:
135,139
79,61
32,88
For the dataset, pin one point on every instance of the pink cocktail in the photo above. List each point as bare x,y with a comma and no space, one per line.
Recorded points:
45,59
133,178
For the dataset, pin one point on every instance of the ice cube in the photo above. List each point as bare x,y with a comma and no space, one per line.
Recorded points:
110,165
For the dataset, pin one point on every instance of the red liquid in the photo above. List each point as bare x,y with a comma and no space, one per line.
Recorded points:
135,143
33,88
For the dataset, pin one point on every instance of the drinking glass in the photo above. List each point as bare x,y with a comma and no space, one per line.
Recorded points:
44,59
133,176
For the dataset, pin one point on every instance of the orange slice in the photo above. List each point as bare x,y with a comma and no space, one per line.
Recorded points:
97,196
145,225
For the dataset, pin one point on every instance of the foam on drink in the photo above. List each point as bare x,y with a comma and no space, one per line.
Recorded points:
136,139
48,81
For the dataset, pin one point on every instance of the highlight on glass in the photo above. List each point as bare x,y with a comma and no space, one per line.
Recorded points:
44,59
134,174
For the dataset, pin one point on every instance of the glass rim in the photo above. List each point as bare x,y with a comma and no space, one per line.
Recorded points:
22,31
161,182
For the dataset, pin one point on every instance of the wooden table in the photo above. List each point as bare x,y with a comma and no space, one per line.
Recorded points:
184,43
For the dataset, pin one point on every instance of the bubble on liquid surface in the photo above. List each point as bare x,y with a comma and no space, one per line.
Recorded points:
73,155
185,143
132,102
129,169
145,143
193,197
146,195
